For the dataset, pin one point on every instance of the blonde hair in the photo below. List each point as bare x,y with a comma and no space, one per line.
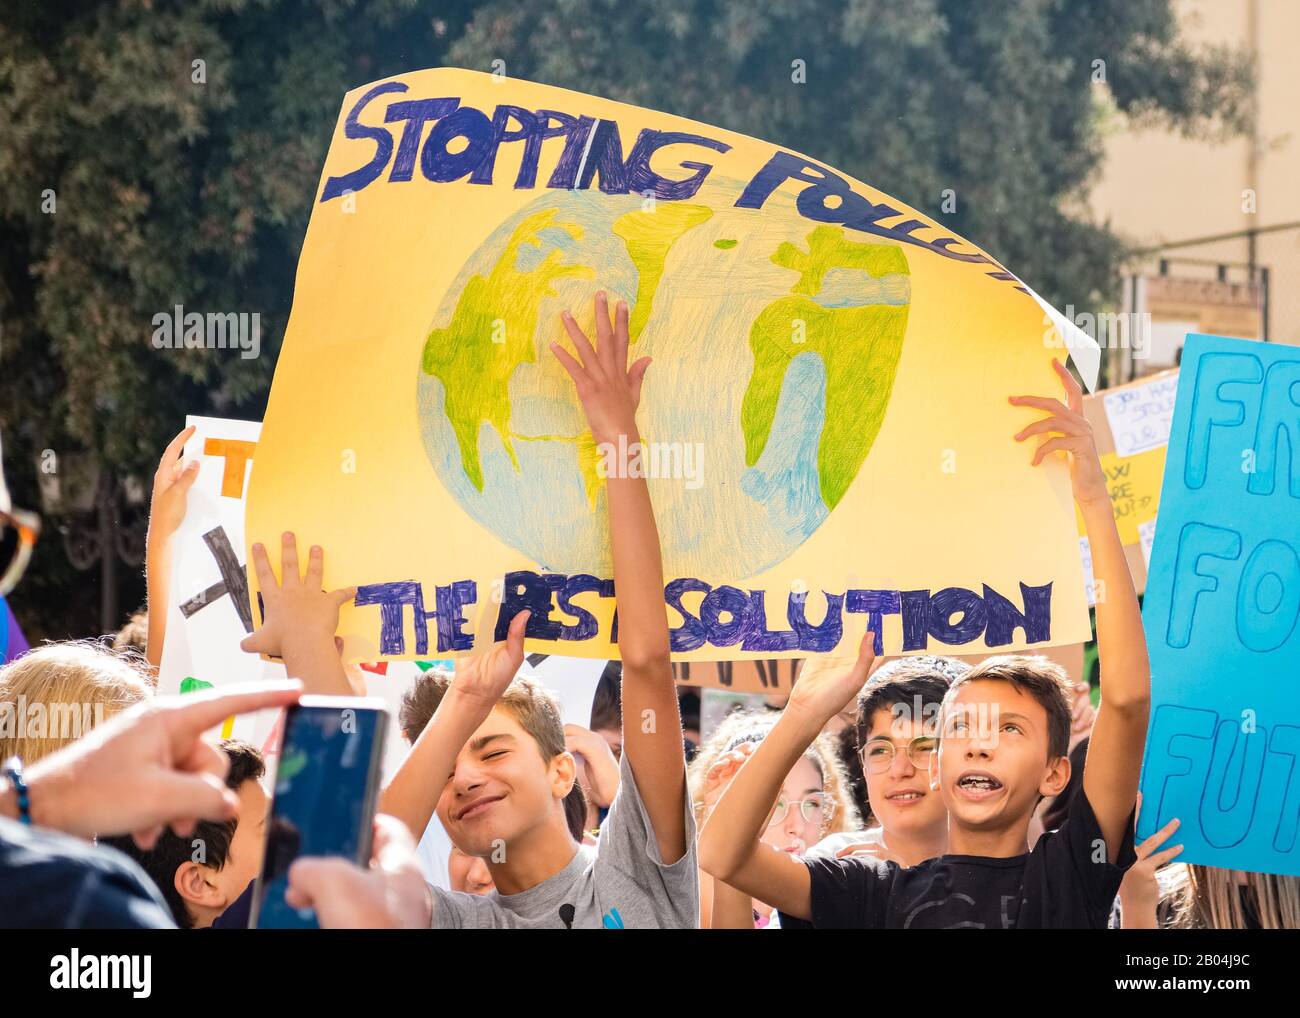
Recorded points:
1211,898
744,726
57,693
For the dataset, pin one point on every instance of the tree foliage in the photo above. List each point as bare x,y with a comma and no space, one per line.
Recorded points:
993,102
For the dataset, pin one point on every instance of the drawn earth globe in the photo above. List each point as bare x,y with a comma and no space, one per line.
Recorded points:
775,343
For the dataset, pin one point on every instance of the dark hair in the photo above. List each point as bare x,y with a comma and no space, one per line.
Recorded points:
846,748
575,811
532,706
170,852
688,703
607,705
906,681
1038,677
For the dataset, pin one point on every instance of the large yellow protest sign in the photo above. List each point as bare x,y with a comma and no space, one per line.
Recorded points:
826,429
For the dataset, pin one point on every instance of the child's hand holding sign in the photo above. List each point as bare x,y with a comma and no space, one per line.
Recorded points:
1072,433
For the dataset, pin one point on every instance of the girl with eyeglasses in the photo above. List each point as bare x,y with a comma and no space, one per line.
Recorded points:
814,802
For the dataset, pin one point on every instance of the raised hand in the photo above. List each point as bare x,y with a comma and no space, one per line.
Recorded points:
610,391
412,795
1072,434
1139,894
720,775
823,689
171,486
481,679
298,612
602,768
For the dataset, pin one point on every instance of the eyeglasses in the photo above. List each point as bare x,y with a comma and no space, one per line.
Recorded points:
815,807
878,754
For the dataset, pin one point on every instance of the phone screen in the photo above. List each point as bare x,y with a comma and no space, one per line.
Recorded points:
326,786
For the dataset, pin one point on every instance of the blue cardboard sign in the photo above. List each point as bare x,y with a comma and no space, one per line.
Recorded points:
1221,612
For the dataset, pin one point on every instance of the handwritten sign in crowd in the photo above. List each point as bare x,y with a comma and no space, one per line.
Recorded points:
1222,612
824,422
1141,414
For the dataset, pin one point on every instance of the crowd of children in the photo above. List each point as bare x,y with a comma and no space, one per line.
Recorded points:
923,792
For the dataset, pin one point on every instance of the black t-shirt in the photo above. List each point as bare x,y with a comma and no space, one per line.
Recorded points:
53,881
236,916
1059,885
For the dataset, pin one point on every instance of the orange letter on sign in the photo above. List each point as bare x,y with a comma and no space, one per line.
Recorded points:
237,453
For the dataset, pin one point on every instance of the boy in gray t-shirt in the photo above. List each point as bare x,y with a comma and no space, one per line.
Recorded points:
621,882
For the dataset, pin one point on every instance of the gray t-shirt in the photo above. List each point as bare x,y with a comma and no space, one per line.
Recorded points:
621,882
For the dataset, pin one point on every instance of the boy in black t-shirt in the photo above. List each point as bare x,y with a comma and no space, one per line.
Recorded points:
1003,740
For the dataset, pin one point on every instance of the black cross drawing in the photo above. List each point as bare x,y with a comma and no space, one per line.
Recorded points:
234,580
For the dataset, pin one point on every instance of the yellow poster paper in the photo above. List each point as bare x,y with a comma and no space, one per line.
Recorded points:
827,437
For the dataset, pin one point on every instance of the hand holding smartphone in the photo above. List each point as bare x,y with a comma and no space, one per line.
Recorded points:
326,789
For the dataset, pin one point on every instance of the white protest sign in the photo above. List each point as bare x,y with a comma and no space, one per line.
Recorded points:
1140,416
206,618
1089,579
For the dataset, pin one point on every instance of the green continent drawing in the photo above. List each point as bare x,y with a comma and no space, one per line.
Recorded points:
775,341
491,334
859,348
649,236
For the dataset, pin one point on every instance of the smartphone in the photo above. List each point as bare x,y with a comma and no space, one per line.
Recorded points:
326,789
